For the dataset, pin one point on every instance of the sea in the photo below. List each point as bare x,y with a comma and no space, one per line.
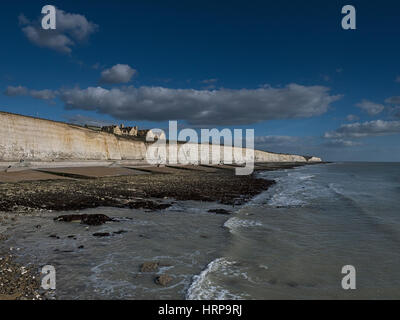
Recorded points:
296,240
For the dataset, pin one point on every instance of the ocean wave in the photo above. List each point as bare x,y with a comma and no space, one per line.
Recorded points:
234,223
204,288
345,196
336,188
305,177
297,189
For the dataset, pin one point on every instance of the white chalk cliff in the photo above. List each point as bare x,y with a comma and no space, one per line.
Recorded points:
33,139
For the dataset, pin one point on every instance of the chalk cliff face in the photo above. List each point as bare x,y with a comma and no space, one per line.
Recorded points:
37,139
27,138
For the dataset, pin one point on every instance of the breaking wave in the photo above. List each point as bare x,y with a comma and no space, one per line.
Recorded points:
235,223
204,286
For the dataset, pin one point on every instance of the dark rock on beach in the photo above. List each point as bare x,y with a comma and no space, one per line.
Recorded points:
120,232
89,219
146,204
220,211
163,280
108,234
292,284
149,266
101,234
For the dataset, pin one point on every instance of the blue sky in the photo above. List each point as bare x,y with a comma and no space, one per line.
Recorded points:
286,69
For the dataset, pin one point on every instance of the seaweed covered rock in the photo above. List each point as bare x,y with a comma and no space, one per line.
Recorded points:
147,204
163,280
102,234
149,266
220,211
89,219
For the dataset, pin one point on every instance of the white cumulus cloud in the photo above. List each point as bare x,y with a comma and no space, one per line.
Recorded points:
45,94
371,108
341,143
365,129
70,29
120,73
352,117
202,107
393,100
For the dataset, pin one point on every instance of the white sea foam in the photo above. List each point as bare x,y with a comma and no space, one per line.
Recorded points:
204,288
305,177
335,187
295,189
104,286
234,223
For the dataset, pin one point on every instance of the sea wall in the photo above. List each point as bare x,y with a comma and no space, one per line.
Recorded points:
34,139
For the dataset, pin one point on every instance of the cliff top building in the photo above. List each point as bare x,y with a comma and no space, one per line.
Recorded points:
121,130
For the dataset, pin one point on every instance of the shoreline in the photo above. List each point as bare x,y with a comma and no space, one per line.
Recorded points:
155,190
134,187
